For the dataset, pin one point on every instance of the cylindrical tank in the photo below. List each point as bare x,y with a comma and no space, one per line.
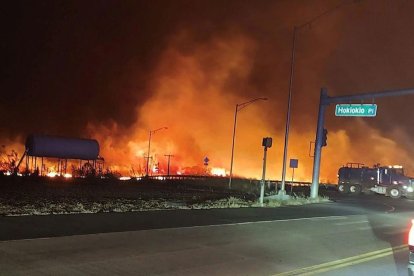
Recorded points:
61,147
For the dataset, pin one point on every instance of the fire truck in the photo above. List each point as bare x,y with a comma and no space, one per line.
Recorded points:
355,178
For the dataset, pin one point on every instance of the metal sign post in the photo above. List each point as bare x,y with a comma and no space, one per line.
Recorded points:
206,160
294,165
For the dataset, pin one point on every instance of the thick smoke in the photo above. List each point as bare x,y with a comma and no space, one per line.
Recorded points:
114,71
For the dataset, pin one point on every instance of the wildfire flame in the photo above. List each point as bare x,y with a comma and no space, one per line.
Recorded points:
218,171
192,96
194,91
52,174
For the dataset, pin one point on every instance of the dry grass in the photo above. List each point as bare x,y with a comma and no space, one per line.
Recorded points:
39,197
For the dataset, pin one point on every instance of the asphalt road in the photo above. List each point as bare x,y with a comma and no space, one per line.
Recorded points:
362,235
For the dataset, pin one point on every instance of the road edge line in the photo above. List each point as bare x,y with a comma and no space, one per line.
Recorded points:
344,262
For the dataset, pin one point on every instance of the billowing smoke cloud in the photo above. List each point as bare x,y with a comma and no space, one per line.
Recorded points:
114,71
193,98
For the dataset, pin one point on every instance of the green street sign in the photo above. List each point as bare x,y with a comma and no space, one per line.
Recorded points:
356,110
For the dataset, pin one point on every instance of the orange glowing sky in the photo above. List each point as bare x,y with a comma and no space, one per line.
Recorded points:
115,72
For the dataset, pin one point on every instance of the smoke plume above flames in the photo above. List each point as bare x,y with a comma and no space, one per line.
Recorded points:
191,96
115,71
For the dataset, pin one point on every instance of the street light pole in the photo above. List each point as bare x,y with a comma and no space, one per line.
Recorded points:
149,145
232,145
292,67
238,108
282,191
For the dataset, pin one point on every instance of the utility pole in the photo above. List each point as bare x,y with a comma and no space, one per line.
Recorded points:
147,158
168,166
151,132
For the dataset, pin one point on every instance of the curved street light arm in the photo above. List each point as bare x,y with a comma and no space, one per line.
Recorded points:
243,105
316,18
292,71
158,129
238,107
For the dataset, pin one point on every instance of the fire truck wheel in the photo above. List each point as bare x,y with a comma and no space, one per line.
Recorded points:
343,189
394,192
354,189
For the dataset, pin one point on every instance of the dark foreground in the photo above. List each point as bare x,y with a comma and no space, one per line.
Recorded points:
350,236
43,196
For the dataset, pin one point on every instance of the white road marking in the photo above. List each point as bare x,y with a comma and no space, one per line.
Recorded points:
392,208
351,222
189,227
365,228
396,232
268,221
350,261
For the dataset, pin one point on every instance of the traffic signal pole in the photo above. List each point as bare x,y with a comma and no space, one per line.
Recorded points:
318,143
324,101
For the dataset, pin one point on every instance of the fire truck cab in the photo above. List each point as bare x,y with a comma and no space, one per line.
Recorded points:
391,181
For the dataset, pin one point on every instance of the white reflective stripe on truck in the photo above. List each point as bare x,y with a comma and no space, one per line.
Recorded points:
379,190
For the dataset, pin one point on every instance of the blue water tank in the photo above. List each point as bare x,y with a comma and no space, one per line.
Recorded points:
62,147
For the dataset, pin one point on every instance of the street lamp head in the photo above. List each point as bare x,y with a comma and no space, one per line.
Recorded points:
243,105
158,129
238,108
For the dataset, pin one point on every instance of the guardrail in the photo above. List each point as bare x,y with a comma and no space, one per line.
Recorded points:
243,182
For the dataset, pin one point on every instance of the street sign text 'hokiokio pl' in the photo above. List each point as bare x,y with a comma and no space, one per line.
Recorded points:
356,110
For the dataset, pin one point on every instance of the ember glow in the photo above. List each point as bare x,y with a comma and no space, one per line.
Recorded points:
218,171
51,174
